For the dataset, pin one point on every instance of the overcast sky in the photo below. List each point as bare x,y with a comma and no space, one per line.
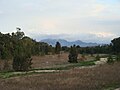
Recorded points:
86,20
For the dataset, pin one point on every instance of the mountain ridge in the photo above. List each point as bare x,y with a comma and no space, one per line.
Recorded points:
64,42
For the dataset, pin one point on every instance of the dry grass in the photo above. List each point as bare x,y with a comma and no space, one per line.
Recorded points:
43,61
5,65
49,60
53,60
75,79
95,78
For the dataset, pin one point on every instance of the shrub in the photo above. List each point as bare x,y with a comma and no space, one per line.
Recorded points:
118,57
110,59
57,48
73,55
97,57
22,62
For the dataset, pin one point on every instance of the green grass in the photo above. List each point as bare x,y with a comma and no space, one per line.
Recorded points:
69,66
112,86
5,75
66,67
10,74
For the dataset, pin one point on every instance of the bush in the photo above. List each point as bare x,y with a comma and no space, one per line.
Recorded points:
97,57
73,55
118,58
110,59
22,63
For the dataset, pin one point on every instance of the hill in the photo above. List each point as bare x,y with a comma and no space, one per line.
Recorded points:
68,43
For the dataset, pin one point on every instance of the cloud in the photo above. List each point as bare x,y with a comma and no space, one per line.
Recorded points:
103,34
48,24
97,10
1,12
28,6
70,19
101,37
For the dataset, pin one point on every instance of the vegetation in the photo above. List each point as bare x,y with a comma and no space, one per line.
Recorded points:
118,58
110,59
97,57
20,49
73,55
116,45
70,66
101,49
57,48
22,62
98,78
34,71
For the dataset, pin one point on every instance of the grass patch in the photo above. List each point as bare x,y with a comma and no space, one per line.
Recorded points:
69,66
65,67
11,74
112,86
5,75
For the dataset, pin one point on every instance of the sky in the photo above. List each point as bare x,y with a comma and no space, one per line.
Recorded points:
87,20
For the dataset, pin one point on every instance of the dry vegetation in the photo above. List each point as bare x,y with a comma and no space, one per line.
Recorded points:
49,60
76,79
53,60
96,78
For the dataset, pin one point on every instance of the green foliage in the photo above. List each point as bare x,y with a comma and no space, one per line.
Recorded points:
22,62
83,55
103,49
118,57
110,59
5,46
65,48
116,45
4,54
73,55
20,48
70,66
97,57
57,48
22,56
19,34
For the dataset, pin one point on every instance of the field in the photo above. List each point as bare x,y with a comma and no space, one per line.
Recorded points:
54,60
101,77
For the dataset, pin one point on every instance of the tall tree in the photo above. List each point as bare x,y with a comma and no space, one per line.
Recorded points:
22,53
73,55
57,48
116,45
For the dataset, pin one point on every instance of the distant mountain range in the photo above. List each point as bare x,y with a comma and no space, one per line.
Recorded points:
67,43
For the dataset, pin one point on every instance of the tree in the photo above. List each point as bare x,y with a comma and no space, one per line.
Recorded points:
22,56
22,62
110,59
116,45
65,48
73,55
19,34
57,48
22,52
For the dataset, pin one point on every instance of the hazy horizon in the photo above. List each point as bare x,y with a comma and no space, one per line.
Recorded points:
87,20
